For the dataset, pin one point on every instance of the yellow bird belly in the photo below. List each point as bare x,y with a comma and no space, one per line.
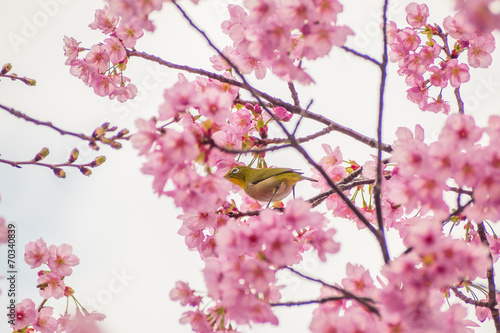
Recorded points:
264,190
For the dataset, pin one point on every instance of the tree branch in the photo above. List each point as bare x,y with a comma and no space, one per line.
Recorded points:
461,108
468,300
490,274
97,136
273,100
361,55
56,168
315,201
362,300
295,95
377,188
316,301
286,143
458,211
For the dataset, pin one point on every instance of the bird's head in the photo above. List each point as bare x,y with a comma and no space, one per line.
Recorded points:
238,175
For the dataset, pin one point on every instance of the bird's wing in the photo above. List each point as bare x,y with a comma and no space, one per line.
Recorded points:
258,175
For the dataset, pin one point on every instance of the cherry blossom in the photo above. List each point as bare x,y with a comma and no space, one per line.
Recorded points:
26,314
61,258
36,253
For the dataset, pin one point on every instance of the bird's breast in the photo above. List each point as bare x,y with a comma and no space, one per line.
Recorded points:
264,190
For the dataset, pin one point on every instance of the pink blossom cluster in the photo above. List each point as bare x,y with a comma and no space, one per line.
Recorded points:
205,118
135,13
276,35
241,274
332,164
249,249
433,63
204,110
410,297
29,318
456,161
103,65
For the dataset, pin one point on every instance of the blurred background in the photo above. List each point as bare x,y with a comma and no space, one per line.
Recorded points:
125,236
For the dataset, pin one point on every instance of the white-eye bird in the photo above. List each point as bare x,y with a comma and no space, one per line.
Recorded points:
266,184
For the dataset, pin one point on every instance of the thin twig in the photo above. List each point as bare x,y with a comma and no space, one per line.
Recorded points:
21,115
458,211
315,301
490,274
295,95
249,151
377,188
362,300
285,143
461,108
371,142
315,201
468,300
24,79
91,139
361,55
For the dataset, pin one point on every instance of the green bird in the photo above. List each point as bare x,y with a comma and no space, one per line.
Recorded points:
266,184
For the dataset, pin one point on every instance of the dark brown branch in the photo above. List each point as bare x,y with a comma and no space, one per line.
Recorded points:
315,301
459,190
361,55
490,274
249,151
295,95
458,211
98,135
237,215
21,115
272,100
468,300
362,300
461,108
286,143
24,79
351,176
57,168
315,201
377,188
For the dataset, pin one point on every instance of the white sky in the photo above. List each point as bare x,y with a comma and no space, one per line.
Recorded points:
115,224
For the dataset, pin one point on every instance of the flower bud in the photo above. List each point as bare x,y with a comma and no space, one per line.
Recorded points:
85,171
282,114
68,291
59,173
116,145
122,133
94,145
263,132
73,155
42,154
6,68
98,161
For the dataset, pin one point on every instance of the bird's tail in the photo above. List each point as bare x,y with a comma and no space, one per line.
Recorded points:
308,178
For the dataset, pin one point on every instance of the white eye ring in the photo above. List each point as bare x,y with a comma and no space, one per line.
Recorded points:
235,171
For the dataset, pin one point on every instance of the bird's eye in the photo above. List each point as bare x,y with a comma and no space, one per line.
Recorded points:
235,171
